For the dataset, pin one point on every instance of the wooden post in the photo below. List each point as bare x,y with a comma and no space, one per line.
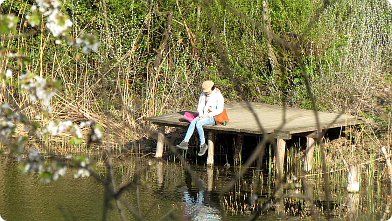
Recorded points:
210,177
161,142
159,171
237,148
279,155
308,160
352,203
210,158
353,179
388,161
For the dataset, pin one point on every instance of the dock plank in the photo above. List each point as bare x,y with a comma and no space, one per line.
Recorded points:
271,118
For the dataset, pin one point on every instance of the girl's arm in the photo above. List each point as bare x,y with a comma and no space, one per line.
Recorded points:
201,105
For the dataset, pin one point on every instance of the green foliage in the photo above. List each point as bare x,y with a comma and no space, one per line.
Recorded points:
8,23
292,16
192,54
76,141
156,54
13,6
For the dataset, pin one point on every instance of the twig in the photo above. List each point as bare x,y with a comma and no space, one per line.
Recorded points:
344,161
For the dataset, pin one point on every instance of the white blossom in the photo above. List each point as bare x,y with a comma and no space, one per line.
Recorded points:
55,3
57,22
64,125
82,172
46,6
6,123
58,173
86,123
78,131
98,133
41,168
34,155
39,91
8,73
12,55
79,41
5,106
33,8
62,171
27,167
55,176
89,43
57,128
54,23
11,20
32,22
7,118
96,136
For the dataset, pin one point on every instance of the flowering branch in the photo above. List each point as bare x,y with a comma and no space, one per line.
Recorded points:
41,91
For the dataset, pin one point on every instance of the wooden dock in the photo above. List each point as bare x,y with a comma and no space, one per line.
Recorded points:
257,119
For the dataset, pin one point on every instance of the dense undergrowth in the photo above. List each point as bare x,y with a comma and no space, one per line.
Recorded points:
155,54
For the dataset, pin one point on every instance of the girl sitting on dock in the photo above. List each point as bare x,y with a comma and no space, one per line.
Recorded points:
211,103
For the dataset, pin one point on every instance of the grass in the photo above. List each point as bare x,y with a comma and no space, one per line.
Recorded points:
132,97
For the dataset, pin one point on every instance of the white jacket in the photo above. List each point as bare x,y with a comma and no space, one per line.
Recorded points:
215,103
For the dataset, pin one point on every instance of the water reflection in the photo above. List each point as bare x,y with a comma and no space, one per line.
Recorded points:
167,188
352,203
159,172
24,197
198,205
196,208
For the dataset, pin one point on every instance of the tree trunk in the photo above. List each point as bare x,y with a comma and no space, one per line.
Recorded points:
267,23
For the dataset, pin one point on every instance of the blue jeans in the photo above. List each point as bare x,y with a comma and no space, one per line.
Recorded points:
199,127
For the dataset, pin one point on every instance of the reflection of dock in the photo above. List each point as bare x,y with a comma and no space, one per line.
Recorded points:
261,119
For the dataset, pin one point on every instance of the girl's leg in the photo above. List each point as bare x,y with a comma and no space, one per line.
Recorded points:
190,130
199,127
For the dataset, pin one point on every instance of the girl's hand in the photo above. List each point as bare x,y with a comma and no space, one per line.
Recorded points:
203,117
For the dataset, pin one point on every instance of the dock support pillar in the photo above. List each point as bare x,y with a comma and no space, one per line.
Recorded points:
237,149
159,171
353,179
308,159
161,142
210,178
210,157
279,155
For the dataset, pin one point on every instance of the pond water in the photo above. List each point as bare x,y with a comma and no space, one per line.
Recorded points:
167,189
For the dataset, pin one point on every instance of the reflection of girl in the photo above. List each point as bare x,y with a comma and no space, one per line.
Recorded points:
210,104
195,210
